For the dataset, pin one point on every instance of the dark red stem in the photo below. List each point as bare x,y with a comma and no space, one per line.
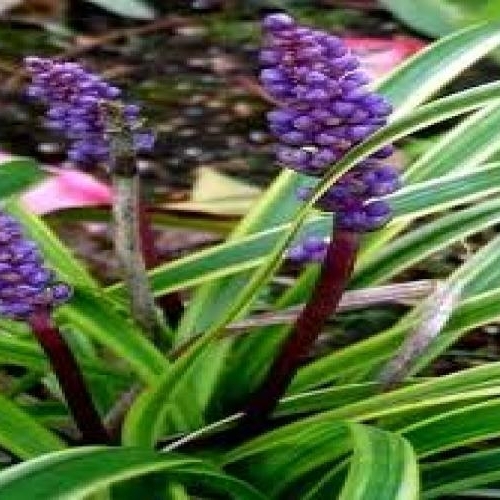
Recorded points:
171,303
70,378
335,273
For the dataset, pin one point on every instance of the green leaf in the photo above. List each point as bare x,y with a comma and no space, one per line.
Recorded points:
424,241
472,313
424,74
22,435
383,467
462,473
326,399
466,146
274,453
76,473
289,456
211,301
135,9
486,260
467,385
431,17
265,215
99,318
430,392
440,17
17,174
394,411
330,484
18,352
146,419
461,149
447,191
456,428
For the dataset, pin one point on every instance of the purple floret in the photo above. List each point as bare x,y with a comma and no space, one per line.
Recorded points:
25,283
73,97
310,249
325,109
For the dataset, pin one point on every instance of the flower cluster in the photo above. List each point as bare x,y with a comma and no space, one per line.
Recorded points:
73,97
25,284
323,110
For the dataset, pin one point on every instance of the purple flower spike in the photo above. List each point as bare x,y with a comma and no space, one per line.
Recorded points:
73,97
25,283
324,110
315,79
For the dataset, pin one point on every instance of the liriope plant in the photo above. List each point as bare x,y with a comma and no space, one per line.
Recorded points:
190,416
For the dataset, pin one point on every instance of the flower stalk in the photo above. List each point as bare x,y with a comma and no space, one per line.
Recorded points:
126,213
335,273
127,247
323,109
69,377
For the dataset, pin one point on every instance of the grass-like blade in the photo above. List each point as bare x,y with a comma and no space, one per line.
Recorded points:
76,473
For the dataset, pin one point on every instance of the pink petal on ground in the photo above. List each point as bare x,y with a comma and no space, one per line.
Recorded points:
66,189
380,55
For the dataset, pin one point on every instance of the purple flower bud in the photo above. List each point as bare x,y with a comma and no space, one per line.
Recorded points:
271,75
294,137
269,57
281,116
359,132
297,254
144,141
61,292
278,22
315,78
323,158
310,249
306,123
314,244
294,157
